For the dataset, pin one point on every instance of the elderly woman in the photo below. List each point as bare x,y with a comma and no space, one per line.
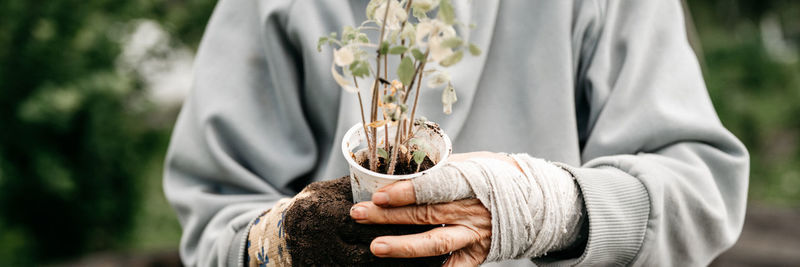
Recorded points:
620,157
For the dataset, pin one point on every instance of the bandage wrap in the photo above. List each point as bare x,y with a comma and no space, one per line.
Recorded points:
533,212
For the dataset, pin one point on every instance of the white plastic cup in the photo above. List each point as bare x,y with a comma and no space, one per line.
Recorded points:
365,182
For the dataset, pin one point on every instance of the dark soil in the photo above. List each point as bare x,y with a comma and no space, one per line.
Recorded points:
320,231
404,166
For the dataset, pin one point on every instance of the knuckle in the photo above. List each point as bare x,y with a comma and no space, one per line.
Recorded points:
381,215
410,214
446,244
423,214
408,249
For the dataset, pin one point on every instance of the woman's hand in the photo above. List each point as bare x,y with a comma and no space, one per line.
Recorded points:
467,232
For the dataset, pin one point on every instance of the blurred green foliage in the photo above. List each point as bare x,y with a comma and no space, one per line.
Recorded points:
81,146
78,141
755,92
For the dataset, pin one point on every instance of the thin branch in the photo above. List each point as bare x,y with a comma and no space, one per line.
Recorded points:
361,106
393,162
385,127
418,70
373,161
416,97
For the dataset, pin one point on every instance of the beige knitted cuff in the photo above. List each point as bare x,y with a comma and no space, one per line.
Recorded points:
267,238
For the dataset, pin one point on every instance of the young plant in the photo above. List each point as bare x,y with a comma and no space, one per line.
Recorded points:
422,34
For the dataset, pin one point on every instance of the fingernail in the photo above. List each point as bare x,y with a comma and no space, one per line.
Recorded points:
358,212
380,198
380,248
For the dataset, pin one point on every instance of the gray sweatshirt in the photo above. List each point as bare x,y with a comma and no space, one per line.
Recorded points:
611,88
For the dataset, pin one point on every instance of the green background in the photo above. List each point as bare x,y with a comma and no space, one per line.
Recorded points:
82,144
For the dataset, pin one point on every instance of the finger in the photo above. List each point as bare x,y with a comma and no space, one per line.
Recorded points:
396,194
435,242
369,213
445,213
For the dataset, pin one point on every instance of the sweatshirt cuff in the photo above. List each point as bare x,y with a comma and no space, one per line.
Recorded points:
237,251
618,208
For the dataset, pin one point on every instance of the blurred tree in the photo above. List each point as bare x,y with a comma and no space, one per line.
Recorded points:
74,130
755,92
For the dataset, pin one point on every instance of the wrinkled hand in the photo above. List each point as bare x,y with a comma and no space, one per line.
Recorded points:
314,229
467,231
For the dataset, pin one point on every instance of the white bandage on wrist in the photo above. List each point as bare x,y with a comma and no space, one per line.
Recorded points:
533,212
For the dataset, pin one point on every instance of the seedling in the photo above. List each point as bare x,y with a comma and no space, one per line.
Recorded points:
422,33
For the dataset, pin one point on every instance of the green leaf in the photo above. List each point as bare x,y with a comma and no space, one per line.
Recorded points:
399,49
348,34
446,12
474,49
452,59
322,41
359,68
405,71
362,37
415,141
418,55
419,14
423,6
384,48
419,156
371,8
382,153
389,99
452,42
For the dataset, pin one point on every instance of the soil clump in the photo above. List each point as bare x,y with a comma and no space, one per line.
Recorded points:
320,231
404,165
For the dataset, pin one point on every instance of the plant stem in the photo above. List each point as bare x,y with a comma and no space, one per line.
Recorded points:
386,137
396,148
385,89
416,97
363,121
373,155
373,136
373,161
419,71
402,130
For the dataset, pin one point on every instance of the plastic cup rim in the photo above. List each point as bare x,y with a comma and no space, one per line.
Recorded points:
350,161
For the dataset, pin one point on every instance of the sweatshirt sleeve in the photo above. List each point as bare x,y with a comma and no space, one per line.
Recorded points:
241,137
663,181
